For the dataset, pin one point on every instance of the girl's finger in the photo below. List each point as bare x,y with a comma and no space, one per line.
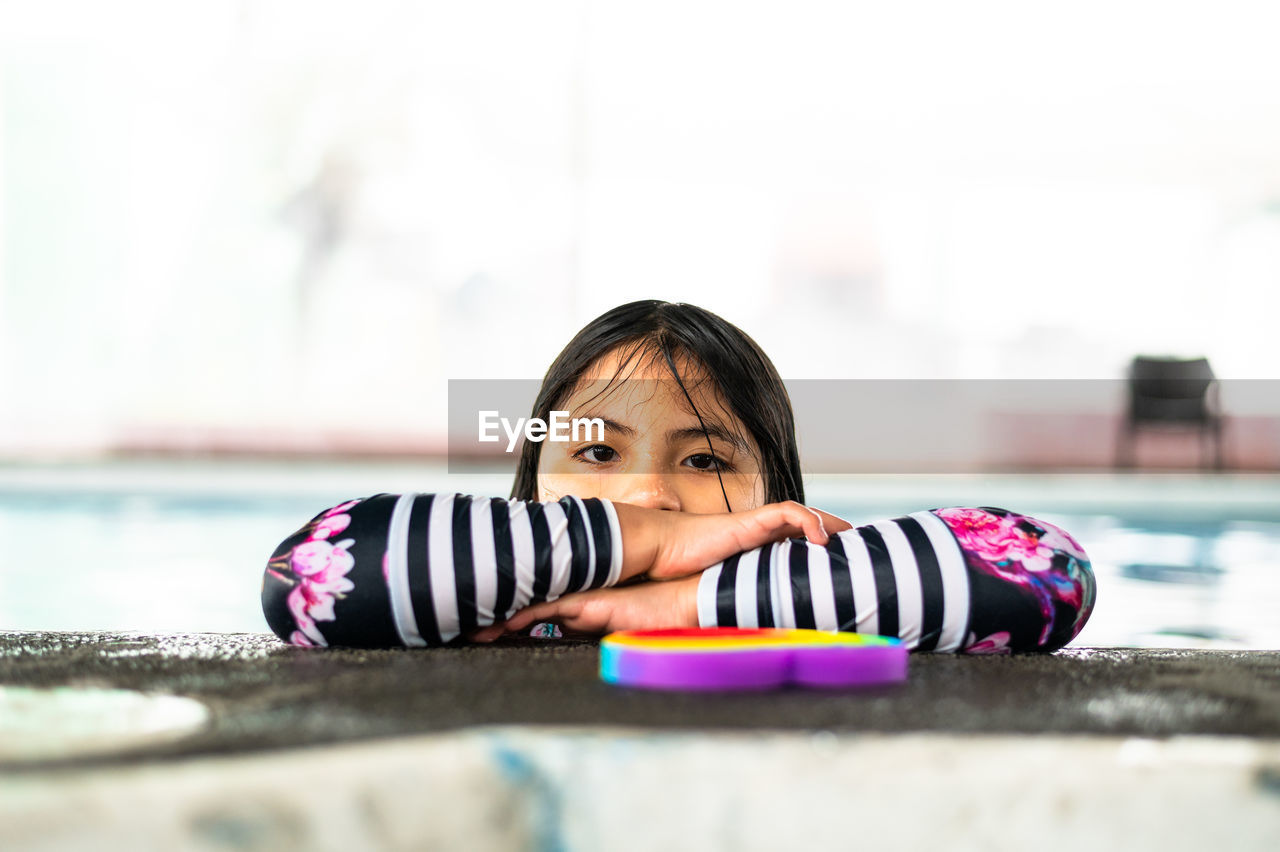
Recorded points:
803,518
545,611
832,523
487,634
815,530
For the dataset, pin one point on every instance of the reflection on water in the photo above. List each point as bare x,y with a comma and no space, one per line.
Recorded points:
1212,584
194,564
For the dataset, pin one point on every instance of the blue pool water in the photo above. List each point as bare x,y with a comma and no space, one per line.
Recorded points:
122,552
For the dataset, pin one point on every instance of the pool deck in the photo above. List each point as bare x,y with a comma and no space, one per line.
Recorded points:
520,745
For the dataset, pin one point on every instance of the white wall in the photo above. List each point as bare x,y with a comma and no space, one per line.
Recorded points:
922,189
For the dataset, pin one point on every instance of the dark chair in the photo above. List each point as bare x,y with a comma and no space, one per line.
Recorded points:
1171,392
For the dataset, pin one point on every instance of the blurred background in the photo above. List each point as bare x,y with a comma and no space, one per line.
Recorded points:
244,246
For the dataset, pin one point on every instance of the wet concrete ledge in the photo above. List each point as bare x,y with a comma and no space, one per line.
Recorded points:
262,694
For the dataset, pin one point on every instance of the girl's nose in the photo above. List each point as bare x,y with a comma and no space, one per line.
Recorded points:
650,490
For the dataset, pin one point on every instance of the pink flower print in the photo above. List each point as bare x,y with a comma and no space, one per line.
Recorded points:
330,525
972,520
996,643
1033,555
300,638
1041,558
545,630
321,567
1059,539
337,510
997,539
300,601
323,562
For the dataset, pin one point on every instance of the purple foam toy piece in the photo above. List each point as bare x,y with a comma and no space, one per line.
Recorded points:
733,658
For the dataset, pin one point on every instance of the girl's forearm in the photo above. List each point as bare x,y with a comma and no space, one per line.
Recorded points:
953,580
423,569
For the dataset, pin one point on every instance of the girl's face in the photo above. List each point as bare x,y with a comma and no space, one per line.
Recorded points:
654,452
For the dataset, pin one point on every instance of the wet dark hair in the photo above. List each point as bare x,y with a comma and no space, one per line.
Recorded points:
714,350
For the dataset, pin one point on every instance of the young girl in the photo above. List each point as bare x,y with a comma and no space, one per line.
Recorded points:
689,512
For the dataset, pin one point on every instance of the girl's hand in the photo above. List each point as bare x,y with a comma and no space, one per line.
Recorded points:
642,606
674,547
663,545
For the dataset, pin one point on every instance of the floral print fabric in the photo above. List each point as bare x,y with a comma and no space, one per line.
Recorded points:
326,584
317,570
1031,584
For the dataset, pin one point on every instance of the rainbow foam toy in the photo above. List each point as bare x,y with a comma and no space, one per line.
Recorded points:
726,658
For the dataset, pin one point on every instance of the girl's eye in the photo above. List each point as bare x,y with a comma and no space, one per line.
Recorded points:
706,461
597,454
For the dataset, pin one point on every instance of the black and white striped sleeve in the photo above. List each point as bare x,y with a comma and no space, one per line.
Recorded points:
424,569
947,580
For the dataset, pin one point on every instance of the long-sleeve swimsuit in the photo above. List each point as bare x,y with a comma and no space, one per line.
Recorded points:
426,569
